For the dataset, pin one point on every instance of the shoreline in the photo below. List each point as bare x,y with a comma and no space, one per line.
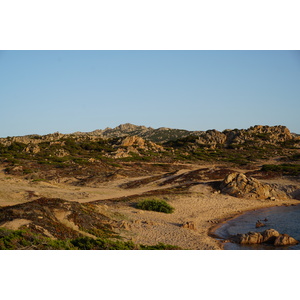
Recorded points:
212,229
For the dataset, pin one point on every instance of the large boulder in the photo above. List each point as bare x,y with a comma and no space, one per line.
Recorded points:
284,240
270,235
250,238
239,185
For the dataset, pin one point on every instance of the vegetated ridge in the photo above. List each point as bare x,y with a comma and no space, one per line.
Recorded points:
145,162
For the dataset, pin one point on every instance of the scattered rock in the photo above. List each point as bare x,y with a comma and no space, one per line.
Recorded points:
189,225
31,194
31,148
259,224
213,221
125,225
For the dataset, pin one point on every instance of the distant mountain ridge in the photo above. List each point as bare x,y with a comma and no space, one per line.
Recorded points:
261,134
269,134
159,135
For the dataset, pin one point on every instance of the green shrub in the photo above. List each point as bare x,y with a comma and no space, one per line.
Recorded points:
155,205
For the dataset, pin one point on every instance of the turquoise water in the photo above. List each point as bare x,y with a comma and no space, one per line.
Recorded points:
283,219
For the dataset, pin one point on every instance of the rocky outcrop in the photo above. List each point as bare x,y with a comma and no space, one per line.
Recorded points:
133,141
31,148
134,144
269,236
259,134
211,138
239,185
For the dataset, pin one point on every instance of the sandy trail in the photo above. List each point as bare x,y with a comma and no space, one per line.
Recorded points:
16,190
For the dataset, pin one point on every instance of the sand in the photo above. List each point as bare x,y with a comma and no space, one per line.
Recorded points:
201,205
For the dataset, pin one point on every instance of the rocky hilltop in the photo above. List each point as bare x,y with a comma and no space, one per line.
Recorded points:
258,134
161,134
129,142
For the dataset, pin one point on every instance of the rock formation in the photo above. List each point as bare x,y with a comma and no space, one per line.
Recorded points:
285,239
239,185
134,144
269,236
133,141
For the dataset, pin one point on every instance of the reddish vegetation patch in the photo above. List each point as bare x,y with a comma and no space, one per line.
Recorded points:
42,214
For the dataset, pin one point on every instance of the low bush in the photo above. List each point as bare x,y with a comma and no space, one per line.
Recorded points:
155,205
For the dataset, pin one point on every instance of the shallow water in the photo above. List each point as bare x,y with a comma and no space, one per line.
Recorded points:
283,219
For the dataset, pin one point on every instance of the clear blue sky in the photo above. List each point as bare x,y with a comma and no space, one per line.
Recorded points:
46,91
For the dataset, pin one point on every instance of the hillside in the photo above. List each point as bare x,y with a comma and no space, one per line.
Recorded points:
106,149
81,190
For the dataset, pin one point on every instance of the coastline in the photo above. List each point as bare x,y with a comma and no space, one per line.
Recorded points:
212,230
200,204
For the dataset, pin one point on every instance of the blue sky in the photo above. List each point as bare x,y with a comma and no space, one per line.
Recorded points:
46,91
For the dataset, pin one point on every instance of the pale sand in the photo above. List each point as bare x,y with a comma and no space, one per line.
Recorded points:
200,205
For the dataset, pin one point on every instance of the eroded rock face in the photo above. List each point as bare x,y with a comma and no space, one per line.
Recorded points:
239,185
